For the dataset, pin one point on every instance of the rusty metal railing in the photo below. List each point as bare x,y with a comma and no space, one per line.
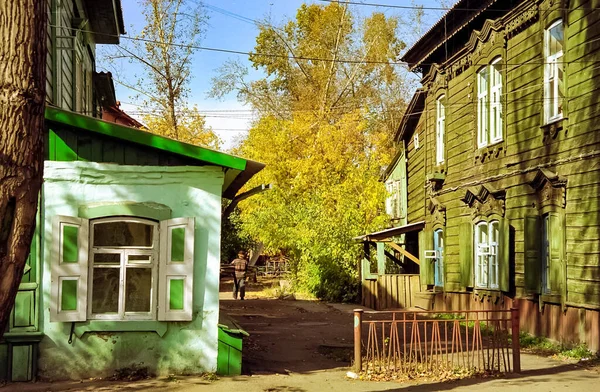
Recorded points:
421,342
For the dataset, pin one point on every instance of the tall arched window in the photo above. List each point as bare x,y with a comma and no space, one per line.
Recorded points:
553,71
489,104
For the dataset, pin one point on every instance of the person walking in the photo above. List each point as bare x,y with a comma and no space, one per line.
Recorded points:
239,276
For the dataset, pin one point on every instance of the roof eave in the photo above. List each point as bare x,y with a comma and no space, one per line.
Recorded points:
137,136
430,41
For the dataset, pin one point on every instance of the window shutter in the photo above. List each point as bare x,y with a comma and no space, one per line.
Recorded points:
465,241
504,255
427,265
176,269
557,268
69,269
533,263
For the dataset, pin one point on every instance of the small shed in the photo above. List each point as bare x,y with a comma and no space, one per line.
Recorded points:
124,265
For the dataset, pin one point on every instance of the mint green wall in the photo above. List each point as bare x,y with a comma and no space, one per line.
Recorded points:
184,347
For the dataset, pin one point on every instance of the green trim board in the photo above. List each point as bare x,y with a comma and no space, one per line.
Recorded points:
204,155
149,210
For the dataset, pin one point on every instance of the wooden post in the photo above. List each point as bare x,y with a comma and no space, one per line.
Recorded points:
357,339
516,345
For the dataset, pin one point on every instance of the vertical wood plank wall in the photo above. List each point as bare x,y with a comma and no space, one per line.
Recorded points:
390,291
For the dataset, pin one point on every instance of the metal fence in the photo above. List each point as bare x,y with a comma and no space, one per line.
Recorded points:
421,342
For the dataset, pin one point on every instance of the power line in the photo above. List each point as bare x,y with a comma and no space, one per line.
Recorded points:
306,58
430,8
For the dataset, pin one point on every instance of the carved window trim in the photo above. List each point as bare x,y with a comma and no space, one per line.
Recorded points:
550,189
485,201
437,212
551,192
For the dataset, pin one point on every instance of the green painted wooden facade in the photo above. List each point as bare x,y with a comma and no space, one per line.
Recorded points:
539,169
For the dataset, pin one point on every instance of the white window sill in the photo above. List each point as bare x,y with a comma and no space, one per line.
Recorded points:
552,121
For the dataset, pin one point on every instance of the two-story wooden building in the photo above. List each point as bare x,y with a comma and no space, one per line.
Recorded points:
501,148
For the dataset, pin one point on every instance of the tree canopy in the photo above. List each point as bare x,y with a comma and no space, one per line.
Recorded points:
327,110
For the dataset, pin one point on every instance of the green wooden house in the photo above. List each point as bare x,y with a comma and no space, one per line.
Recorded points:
124,264
501,158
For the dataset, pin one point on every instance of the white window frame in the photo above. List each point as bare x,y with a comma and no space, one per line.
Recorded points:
393,206
482,106
124,252
551,82
440,130
486,238
495,102
489,105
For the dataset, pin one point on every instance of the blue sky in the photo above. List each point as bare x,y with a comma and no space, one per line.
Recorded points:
230,27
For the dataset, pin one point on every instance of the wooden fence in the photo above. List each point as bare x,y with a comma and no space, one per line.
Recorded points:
390,291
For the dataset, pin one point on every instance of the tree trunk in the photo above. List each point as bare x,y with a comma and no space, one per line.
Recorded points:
22,92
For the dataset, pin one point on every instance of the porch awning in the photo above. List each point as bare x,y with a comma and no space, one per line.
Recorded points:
391,232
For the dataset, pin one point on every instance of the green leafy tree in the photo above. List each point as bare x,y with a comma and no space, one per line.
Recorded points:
164,49
327,110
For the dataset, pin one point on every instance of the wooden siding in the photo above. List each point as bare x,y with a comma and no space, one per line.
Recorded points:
64,54
49,54
415,167
65,144
390,291
74,52
574,153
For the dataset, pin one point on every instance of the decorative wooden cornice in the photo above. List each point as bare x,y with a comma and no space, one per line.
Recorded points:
496,31
485,200
550,188
487,33
519,21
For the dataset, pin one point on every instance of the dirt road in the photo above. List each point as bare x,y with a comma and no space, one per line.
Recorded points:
305,346
292,336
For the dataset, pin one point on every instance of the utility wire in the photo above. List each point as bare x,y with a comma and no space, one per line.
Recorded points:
306,58
431,8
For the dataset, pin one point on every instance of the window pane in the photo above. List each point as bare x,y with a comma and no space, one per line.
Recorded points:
107,258
105,293
138,289
482,81
555,38
123,234
139,259
560,77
